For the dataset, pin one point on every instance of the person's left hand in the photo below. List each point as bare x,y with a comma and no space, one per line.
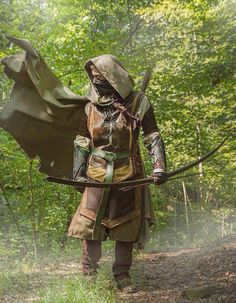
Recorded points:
160,177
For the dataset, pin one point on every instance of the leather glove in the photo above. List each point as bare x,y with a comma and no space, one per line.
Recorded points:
160,177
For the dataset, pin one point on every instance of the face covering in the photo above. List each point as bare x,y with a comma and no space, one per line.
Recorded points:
107,94
103,87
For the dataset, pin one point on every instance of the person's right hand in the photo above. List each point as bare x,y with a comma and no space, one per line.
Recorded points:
160,177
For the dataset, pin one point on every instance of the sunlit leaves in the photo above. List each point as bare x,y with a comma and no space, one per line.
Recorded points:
191,47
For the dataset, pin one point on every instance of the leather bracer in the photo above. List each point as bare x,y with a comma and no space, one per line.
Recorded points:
155,146
81,154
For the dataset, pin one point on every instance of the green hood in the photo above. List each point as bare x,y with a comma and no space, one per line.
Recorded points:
114,72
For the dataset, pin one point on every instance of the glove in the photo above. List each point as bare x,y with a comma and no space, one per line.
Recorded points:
160,176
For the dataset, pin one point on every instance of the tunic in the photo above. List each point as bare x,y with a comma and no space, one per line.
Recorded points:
111,130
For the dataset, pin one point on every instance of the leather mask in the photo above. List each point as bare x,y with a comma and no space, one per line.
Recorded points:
103,87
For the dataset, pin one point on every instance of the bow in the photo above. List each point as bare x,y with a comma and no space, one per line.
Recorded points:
133,183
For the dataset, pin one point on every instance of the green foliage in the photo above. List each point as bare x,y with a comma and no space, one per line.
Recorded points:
191,47
81,290
54,280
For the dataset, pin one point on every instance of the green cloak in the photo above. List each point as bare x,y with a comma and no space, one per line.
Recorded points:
43,115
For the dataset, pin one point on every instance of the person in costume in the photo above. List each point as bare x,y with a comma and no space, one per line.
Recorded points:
98,139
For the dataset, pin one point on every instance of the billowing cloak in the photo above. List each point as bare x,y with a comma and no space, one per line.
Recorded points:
42,115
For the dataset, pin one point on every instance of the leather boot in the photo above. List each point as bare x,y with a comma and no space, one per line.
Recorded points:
91,255
121,266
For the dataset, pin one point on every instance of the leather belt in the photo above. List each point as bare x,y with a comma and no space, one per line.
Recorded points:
110,157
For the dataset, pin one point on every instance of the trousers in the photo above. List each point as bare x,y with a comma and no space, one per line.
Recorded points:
92,252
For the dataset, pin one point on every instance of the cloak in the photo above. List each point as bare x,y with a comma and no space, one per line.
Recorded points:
43,115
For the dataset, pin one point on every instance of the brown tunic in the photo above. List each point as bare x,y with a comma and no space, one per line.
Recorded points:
111,130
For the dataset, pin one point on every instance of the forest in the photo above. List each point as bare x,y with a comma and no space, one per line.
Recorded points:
189,46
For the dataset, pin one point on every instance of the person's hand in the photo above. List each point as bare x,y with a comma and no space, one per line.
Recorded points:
160,177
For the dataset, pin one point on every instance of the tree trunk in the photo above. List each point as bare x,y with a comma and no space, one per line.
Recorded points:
186,210
32,200
200,168
14,217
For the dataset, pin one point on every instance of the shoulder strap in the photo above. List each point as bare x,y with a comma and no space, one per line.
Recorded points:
123,109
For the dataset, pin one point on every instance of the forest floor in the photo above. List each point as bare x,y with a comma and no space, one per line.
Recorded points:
201,274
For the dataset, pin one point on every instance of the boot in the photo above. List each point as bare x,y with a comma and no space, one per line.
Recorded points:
91,256
121,266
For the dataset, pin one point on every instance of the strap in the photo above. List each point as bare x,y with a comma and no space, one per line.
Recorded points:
103,202
110,157
123,109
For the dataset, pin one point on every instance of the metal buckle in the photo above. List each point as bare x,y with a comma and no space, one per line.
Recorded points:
110,156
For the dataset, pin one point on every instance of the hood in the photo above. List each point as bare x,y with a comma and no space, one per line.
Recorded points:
114,72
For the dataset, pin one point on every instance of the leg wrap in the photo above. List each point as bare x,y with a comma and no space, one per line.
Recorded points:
123,260
91,255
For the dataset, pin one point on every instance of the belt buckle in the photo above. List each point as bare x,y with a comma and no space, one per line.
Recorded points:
111,156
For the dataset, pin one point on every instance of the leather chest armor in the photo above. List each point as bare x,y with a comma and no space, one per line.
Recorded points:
111,131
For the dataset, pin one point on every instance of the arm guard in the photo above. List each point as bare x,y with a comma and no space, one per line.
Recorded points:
81,153
155,146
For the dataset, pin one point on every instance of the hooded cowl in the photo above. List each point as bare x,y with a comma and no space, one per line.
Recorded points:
114,72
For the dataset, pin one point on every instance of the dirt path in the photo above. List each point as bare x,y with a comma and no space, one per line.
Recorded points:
200,275
206,274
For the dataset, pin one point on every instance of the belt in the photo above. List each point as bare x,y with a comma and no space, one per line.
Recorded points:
110,157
